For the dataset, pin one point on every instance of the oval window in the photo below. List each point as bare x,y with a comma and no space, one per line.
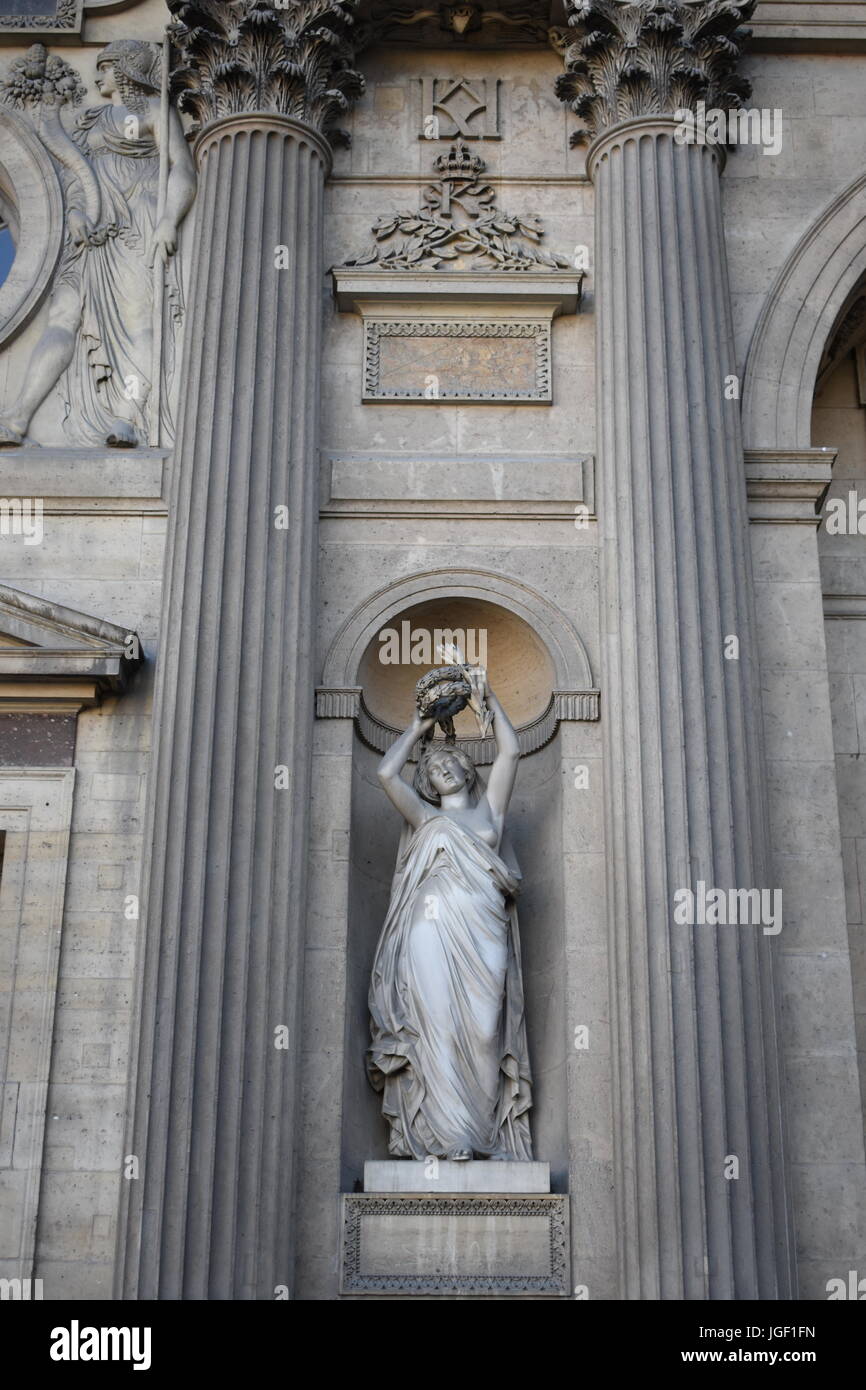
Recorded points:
7,251
31,223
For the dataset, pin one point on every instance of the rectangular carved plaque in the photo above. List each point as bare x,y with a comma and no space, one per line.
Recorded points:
492,361
40,16
469,1244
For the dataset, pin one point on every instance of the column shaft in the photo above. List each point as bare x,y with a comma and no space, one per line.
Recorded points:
698,1075
210,1216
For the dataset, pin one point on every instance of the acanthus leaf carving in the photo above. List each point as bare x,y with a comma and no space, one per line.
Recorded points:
628,58
292,59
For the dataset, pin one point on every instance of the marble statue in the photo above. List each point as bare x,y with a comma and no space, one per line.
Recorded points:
448,1049
98,346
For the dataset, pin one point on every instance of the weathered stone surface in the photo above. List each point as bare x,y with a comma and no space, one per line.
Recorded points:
492,1175
472,1246
687,802
456,489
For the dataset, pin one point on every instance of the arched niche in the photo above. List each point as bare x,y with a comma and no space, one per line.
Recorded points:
797,322
534,656
487,633
32,205
560,639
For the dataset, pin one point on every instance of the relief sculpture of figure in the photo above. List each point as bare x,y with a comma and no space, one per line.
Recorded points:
448,1050
98,344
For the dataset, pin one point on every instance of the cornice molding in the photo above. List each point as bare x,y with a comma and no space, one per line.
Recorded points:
630,58
787,486
367,290
809,26
51,654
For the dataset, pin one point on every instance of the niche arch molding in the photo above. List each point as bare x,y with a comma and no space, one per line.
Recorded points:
574,695
796,321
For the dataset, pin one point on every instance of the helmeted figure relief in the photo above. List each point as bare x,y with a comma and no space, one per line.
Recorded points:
98,347
448,1048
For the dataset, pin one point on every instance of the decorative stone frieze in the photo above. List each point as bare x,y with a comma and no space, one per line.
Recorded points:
472,24
61,17
108,346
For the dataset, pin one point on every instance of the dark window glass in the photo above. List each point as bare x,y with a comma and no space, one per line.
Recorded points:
7,252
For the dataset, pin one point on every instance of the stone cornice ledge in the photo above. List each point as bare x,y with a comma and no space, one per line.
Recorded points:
787,486
809,26
348,703
54,658
367,292
850,606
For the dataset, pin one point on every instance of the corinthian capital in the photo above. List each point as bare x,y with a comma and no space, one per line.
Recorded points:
626,58
242,56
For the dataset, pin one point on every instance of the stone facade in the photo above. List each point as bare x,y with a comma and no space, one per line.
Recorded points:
516,359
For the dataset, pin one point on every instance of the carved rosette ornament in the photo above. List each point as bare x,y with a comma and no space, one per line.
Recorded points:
629,58
293,59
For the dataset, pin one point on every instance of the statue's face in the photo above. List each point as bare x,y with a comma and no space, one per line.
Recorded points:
447,774
106,83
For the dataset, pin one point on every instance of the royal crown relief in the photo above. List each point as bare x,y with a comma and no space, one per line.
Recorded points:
458,239
107,355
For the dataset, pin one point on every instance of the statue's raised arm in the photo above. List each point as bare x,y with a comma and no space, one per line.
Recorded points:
401,795
500,783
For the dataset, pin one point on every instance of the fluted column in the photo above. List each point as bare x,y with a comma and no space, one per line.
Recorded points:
210,1215
694,1008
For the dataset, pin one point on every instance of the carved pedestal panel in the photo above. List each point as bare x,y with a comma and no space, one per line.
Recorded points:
452,1246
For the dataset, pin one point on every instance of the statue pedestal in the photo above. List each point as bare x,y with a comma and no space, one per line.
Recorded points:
442,1175
484,1229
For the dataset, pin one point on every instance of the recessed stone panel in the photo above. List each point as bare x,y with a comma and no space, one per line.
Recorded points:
431,361
472,1245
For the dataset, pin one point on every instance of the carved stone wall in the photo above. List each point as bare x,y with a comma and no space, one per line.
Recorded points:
424,497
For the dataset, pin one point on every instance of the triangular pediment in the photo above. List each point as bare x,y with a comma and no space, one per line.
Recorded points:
42,642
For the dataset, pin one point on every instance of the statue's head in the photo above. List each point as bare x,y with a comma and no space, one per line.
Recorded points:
130,67
441,771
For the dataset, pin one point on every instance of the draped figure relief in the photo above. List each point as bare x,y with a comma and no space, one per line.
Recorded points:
448,1050
128,181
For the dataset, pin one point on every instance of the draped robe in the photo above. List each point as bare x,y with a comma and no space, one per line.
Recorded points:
448,1048
109,377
